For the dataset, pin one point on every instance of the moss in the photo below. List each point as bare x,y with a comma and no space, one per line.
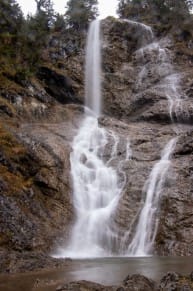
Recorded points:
15,181
12,152
185,281
4,102
182,48
7,82
5,238
9,145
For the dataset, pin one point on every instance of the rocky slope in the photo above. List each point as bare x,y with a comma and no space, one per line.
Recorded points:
171,281
139,83
38,122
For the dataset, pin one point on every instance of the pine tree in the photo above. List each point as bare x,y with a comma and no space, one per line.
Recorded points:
11,17
80,13
131,8
45,12
163,10
59,24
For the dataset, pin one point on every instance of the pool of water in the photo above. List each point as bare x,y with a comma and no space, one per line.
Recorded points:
107,271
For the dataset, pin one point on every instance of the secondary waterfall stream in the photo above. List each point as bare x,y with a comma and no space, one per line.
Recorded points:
96,184
146,229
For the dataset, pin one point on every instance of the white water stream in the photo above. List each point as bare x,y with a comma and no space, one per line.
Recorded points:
93,69
146,229
96,193
96,184
156,55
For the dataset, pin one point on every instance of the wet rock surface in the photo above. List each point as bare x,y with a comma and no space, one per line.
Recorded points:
35,195
84,285
139,84
170,281
28,261
35,183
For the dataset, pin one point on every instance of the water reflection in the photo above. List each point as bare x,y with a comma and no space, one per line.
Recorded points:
108,271
114,270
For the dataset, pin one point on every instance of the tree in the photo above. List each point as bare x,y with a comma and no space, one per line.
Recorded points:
34,34
59,24
163,10
131,8
11,16
80,13
37,27
45,12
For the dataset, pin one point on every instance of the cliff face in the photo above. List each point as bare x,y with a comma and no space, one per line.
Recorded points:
149,87
37,125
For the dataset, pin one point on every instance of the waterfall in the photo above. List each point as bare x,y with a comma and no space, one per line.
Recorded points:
169,84
146,229
145,32
96,185
96,193
93,69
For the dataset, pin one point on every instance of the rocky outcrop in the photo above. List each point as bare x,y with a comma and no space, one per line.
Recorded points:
140,80
175,281
170,281
57,85
149,89
35,187
38,124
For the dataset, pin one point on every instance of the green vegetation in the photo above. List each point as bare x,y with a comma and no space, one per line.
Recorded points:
80,13
12,153
174,16
23,40
165,11
11,17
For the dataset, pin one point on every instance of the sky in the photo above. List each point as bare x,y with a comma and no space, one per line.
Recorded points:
106,7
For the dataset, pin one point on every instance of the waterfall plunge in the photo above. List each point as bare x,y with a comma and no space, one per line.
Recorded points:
93,69
96,193
96,186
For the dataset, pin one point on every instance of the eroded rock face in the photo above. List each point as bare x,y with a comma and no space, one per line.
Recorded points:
139,78
136,77
86,286
35,188
149,89
170,281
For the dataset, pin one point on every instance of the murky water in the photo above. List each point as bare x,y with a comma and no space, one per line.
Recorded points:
108,271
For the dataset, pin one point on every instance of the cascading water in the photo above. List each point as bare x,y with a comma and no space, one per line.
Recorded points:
146,229
96,185
93,69
164,70
96,193
145,31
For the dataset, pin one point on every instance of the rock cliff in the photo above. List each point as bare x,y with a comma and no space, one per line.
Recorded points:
149,88
39,118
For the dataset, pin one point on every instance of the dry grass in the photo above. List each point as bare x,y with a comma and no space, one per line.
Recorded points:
12,152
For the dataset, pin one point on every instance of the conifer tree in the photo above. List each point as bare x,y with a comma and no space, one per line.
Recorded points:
11,16
80,13
45,12
163,9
